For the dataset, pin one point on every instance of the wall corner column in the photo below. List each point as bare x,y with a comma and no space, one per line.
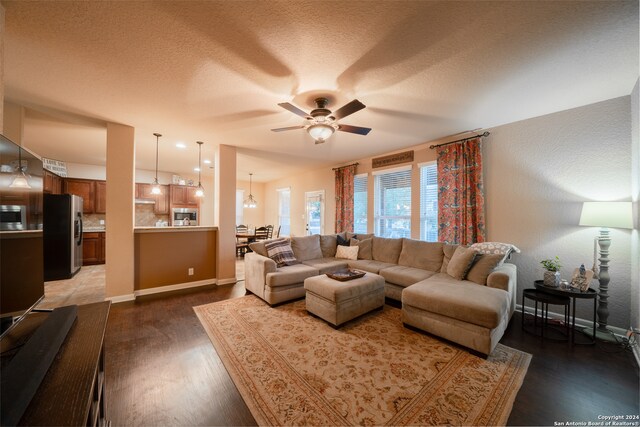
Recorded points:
225,213
120,218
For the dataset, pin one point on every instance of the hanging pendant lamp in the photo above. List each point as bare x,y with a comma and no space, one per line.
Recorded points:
20,179
250,202
155,189
200,189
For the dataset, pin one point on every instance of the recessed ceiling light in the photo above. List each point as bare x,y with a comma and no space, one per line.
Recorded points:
207,162
196,169
181,145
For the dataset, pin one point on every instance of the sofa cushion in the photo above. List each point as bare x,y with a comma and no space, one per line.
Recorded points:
290,275
364,251
280,251
361,236
327,265
448,251
258,247
386,250
404,276
462,300
347,252
369,265
328,245
461,262
420,254
306,247
341,240
504,249
483,266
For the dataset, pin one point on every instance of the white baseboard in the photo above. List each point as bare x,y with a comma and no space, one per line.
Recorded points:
230,281
121,298
175,287
584,323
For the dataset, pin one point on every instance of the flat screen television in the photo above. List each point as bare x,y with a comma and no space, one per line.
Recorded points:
21,239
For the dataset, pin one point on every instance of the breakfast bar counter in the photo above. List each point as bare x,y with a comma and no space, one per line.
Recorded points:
174,257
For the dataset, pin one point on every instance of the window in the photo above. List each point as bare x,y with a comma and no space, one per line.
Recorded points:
429,202
284,211
392,203
239,207
360,204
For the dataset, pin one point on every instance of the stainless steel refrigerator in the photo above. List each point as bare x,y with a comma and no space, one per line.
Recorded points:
62,232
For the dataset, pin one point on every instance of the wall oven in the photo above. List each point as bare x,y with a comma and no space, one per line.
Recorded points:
184,216
13,217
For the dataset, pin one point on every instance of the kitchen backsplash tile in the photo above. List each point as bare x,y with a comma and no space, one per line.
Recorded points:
145,217
93,220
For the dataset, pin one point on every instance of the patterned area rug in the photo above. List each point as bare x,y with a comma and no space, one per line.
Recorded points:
294,369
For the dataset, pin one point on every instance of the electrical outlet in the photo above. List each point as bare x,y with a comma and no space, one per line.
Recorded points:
191,271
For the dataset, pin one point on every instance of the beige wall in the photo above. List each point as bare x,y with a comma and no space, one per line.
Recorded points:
538,172
225,212
120,212
158,263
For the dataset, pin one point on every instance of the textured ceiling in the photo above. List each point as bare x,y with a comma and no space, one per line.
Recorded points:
215,71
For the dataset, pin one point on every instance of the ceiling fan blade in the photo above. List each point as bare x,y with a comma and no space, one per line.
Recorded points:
348,109
295,110
287,128
354,129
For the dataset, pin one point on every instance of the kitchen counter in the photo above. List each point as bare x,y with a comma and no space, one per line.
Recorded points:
178,229
94,229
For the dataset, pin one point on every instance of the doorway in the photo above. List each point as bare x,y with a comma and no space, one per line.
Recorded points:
314,208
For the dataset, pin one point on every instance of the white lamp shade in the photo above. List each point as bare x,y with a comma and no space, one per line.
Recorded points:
607,214
320,132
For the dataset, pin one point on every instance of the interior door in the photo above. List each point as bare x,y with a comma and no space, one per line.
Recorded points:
314,208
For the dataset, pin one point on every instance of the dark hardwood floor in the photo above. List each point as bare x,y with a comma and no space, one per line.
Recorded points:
163,370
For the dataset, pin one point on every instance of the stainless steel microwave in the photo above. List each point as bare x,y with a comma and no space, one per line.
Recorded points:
184,216
13,217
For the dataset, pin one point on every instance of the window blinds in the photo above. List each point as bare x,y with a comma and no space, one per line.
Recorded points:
284,211
429,202
392,203
360,204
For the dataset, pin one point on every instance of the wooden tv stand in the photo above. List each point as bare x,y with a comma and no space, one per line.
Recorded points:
73,390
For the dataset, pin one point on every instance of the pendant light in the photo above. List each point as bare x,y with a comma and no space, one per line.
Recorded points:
200,189
20,179
250,202
155,189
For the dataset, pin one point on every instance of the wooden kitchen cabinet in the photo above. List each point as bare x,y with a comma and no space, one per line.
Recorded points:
161,206
101,197
51,183
183,195
93,248
84,188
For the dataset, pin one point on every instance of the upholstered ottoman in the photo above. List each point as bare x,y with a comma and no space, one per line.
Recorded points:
338,302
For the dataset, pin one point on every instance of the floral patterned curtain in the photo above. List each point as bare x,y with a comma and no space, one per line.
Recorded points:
461,193
344,198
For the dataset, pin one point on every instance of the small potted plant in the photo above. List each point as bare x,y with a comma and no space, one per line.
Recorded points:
552,271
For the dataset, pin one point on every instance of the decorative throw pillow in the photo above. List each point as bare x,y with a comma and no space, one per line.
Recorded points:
461,262
342,241
483,266
505,249
280,251
328,245
364,247
258,247
347,252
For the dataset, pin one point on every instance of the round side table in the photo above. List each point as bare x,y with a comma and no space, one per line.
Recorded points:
545,299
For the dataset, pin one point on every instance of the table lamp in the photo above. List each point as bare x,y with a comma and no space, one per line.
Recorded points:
605,215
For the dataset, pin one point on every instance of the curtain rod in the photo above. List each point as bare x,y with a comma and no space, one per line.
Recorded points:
461,140
342,167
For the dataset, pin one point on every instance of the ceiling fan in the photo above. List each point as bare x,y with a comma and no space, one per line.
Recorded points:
323,122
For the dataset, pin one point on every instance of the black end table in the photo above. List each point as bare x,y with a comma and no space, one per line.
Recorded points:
574,295
545,299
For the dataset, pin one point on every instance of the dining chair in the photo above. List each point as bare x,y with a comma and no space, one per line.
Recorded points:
242,244
278,232
262,233
269,231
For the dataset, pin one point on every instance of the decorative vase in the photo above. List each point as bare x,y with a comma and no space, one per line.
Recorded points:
552,278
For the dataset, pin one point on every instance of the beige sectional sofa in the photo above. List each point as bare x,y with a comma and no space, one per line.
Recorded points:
473,312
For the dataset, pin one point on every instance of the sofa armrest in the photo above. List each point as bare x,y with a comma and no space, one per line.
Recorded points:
256,268
505,277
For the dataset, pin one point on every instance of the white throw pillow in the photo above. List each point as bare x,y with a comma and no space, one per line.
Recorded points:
347,252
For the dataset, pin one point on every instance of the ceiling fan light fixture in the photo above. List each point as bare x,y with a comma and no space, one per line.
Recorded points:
320,132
